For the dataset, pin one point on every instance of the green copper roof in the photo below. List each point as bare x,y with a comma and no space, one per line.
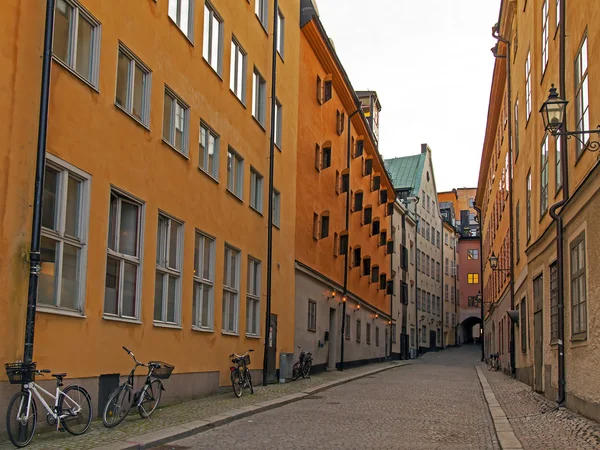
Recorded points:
406,171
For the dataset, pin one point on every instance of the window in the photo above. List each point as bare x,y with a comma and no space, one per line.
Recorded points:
473,278
259,97
343,244
327,91
528,206
368,166
253,298
133,86
438,271
473,254
394,333
418,299
438,305
424,334
175,122
358,201
278,123
319,89
64,232
554,301
438,239
383,196
315,226
122,287
516,128
582,111
376,183
545,24
538,293
235,173
204,279
428,302
578,287
360,146
262,12
276,208
382,282
167,287
418,260
340,119
347,327
312,315
428,260
446,292
231,287
544,178
528,84
523,325
256,190
382,238
366,266
377,336
182,13
324,226
357,258
389,209
557,13
558,171
208,151
76,40
358,330
237,75
280,32
345,182
367,215
374,274
375,227
518,230
326,158
368,334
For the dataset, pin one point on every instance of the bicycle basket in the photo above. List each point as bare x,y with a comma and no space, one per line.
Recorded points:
247,360
20,373
164,371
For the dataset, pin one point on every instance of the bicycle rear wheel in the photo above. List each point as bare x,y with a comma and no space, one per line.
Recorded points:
306,369
118,406
77,404
150,396
236,383
20,426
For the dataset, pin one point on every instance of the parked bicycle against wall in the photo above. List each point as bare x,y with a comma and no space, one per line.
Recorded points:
72,410
494,361
303,365
240,374
146,399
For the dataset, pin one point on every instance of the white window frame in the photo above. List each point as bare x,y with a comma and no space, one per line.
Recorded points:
233,290
582,99
261,10
207,132
276,208
256,190
78,11
235,178
545,35
237,70
122,258
253,298
259,97
280,33
200,282
208,47
544,177
58,235
278,123
528,98
312,315
135,62
177,101
169,269
175,13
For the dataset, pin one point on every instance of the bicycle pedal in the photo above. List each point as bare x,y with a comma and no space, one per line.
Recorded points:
61,429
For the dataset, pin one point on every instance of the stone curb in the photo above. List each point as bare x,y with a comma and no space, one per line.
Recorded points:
504,430
181,431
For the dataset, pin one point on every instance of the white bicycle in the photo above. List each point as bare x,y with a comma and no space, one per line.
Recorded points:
72,410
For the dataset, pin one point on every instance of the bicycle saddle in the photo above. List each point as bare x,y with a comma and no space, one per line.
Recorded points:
59,376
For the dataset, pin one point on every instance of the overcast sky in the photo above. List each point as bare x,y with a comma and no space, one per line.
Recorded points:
431,64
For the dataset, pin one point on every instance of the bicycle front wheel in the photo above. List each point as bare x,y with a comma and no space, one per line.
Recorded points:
118,406
21,419
236,383
150,398
296,371
76,406
249,380
306,369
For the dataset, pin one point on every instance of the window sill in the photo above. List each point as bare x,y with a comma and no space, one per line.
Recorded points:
263,26
252,336
74,73
229,333
259,124
175,149
235,95
311,330
167,325
280,56
202,330
260,213
181,31
579,337
122,319
234,195
201,169
216,72
60,311
278,146
276,226
138,121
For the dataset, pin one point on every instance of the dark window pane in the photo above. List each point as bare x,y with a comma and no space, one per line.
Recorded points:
50,203
47,280
122,80
111,286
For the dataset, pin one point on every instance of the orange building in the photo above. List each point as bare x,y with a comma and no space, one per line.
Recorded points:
343,208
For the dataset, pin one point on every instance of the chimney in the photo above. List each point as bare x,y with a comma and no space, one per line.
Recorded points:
425,148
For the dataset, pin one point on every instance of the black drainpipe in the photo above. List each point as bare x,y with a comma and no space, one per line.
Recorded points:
481,334
456,299
558,219
36,227
442,273
392,232
344,294
417,331
270,218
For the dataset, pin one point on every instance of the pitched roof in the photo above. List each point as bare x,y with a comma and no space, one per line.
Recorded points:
406,171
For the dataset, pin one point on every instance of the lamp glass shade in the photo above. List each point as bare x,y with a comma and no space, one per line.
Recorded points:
553,111
493,261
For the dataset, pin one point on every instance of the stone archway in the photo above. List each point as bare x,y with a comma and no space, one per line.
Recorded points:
469,333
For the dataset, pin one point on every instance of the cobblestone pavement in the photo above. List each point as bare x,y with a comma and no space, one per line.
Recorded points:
169,416
436,403
536,422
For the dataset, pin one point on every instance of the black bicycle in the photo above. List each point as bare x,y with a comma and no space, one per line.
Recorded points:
494,361
303,365
240,374
146,399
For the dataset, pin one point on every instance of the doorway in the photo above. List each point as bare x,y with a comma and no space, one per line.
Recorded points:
538,330
432,340
332,340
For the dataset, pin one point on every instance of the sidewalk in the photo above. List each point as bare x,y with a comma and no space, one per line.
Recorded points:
195,416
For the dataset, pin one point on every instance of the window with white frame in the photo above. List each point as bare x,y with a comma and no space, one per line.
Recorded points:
557,13
377,336
231,287
204,280
528,205
167,288
76,39
582,111
259,97
368,334
122,283
133,86
347,327
253,298
256,190
235,173
545,25
312,315
237,75
544,177
280,32
358,330
212,43
175,122
64,230
276,208
278,123
208,151
262,12
558,160
578,286
528,84
182,13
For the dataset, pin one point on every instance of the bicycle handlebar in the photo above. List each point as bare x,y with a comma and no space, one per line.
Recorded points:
127,350
130,353
240,356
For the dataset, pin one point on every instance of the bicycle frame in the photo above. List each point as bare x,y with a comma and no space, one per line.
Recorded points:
131,378
33,389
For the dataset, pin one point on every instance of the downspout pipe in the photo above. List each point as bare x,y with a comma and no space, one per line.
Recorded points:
482,334
417,331
270,218
36,226
344,294
392,232
442,273
456,299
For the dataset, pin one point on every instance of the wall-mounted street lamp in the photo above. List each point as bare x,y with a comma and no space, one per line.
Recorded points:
553,112
357,308
494,265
